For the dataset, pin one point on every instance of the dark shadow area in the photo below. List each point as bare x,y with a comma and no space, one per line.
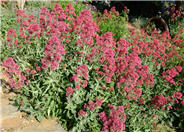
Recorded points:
137,8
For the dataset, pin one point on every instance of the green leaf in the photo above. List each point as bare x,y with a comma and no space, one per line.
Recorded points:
39,117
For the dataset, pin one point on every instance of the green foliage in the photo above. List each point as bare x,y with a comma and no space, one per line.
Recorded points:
139,22
176,26
113,23
8,19
78,6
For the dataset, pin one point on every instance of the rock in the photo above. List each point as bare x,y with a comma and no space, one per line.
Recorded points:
8,111
55,128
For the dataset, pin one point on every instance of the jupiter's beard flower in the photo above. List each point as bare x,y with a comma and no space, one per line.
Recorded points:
159,101
177,95
69,91
170,74
115,121
53,53
82,70
15,76
82,113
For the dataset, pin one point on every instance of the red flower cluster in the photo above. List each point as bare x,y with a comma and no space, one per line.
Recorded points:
177,14
69,91
106,44
108,15
82,70
170,74
177,95
82,113
99,102
11,34
129,70
28,29
159,101
15,76
123,63
85,27
53,51
115,121
92,105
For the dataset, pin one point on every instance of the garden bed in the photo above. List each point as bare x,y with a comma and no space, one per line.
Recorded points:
91,73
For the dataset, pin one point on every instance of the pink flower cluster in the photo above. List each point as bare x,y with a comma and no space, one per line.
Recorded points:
115,121
159,48
130,72
33,28
82,113
69,91
99,102
105,46
92,105
11,34
120,65
29,29
121,62
175,98
11,37
53,51
177,14
177,95
107,15
82,70
170,74
54,22
159,101
15,76
45,19
85,27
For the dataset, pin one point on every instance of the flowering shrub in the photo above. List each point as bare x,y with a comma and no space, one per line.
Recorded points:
176,20
115,121
91,82
53,53
111,21
176,27
15,76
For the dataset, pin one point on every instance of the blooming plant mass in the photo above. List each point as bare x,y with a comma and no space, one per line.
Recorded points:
90,81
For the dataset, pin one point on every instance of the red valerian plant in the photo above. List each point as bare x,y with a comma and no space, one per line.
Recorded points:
177,95
115,121
159,101
91,82
15,77
53,51
81,113
170,74
69,91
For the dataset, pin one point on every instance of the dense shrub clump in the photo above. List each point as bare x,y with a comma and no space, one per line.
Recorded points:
91,82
